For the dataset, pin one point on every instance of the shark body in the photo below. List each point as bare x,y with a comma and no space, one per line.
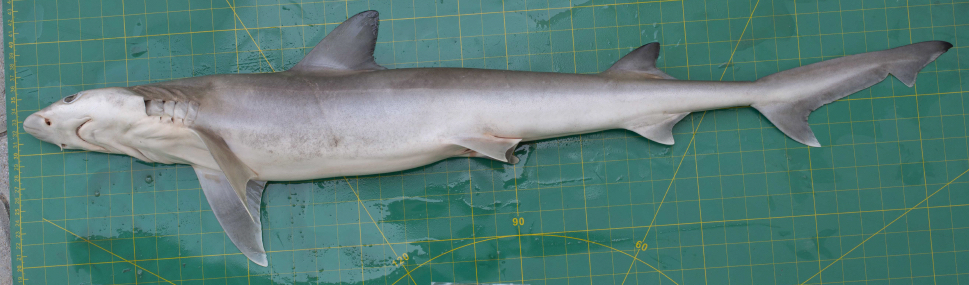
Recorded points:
338,113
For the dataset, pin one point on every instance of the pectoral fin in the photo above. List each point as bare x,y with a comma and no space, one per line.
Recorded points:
236,172
492,147
239,219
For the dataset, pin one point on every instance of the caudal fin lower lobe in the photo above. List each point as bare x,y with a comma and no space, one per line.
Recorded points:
792,95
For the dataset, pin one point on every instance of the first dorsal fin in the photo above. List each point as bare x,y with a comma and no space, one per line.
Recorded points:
639,63
349,47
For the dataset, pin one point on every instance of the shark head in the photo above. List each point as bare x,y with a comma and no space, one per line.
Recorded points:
94,120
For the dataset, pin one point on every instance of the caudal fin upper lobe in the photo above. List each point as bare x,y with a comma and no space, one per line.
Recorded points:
792,95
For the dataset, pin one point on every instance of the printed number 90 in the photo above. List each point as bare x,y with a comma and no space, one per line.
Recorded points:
518,221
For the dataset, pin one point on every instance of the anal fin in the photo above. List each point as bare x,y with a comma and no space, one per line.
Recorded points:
660,130
497,148
239,219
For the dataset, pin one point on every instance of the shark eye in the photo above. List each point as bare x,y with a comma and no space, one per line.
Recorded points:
70,99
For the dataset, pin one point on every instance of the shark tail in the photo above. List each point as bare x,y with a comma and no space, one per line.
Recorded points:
793,94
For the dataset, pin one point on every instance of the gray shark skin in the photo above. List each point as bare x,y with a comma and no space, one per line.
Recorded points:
338,113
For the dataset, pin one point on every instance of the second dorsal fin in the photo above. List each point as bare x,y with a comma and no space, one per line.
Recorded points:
639,63
349,47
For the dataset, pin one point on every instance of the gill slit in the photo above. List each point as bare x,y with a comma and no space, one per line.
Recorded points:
77,132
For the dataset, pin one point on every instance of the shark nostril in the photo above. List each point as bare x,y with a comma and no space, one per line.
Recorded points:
46,120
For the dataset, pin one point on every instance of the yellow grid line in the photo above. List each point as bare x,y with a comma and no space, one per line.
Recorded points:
15,169
958,62
511,11
542,234
542,188
695,155
250,36
918,113
692,139
563,232
551,255
382,235
885,227
109,252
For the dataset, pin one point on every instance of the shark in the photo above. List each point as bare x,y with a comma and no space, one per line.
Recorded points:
339,113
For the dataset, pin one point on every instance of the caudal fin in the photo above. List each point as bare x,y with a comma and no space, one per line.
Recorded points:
793,94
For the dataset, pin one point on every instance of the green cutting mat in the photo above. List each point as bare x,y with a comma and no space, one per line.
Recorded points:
733,202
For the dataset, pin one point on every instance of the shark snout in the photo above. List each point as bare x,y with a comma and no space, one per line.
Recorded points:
35,124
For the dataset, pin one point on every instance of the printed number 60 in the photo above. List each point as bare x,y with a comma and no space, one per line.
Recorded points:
640,245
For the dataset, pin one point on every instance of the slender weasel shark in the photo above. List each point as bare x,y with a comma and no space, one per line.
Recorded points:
339,113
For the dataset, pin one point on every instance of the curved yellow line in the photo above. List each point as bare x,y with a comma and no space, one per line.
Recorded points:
548,235
375,224
623,252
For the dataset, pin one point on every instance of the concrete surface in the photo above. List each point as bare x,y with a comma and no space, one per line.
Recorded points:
6,276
